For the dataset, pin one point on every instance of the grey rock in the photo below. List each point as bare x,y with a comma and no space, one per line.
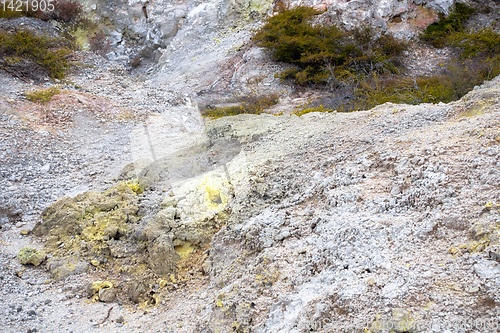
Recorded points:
107,295
494,252
136,291
487,269
66,266
162,256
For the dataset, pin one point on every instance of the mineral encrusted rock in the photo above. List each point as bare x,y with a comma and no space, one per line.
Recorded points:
61,267
29,255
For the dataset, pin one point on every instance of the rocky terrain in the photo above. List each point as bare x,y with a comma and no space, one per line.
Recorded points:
123,210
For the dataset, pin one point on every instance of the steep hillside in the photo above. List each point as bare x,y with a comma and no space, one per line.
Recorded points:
122,209
350,220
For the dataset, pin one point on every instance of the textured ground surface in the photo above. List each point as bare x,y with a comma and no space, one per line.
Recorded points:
380,217
379,220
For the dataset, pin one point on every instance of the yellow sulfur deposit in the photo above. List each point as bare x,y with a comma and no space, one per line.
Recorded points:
29,255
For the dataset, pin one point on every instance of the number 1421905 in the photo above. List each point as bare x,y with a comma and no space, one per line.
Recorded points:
27,5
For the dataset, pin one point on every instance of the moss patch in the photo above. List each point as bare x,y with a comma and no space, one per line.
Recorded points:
253,104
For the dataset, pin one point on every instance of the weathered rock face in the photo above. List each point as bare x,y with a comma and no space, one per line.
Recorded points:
338,222
90,219
352,221
192,214
162,256
198,48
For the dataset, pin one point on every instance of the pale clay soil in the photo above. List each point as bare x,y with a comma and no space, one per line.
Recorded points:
407,181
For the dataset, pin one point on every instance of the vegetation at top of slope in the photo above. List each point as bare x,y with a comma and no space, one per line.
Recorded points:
319,51
69,14
477,56
364,70
50,55
253,104
438,33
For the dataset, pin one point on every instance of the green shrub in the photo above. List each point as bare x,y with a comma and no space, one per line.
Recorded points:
438,33
51,54
457,79
482,43
292,37
252,104
43,95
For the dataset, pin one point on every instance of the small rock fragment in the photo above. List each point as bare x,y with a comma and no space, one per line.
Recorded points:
29,255
107,295
473,290
102,291
136,291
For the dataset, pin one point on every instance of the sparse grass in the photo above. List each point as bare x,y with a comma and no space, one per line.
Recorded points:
42,96
50,54
408,91
253,104
457,79
303,110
